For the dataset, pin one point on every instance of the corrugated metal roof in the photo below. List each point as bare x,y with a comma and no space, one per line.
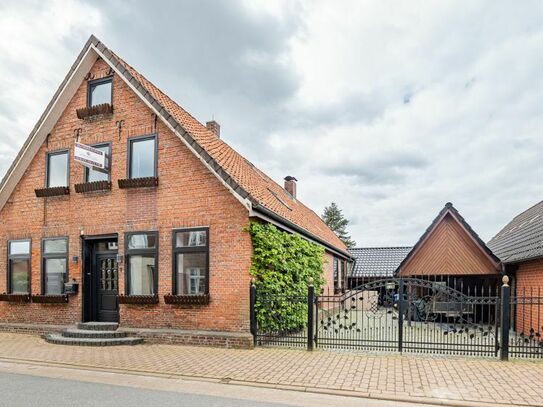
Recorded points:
377,261
522,238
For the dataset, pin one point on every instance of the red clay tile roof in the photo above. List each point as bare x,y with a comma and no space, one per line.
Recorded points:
260,188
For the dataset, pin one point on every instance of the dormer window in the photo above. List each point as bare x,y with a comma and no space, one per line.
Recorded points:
100,92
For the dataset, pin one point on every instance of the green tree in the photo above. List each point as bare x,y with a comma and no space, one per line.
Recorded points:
333,217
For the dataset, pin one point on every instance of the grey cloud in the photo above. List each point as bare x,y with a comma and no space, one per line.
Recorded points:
385,167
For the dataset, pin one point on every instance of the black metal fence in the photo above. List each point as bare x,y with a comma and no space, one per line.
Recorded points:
526,317
438,315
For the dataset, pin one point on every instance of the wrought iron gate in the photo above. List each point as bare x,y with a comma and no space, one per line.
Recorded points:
409,315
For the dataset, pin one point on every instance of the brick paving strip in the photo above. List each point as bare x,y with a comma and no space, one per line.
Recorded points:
445,381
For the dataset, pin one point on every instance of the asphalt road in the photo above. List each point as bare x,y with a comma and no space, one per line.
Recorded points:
29,391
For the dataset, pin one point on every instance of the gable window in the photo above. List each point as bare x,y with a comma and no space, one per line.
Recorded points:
92,175
191,261
100,92
141,263
142,157
19,266
54,265
57,169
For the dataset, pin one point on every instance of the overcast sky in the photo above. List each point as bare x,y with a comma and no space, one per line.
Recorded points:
390,109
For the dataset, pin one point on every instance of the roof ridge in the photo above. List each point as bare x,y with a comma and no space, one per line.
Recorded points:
233,167
204,128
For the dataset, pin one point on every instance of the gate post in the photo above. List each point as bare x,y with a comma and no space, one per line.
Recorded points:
505,318
310,312
252,303
400,315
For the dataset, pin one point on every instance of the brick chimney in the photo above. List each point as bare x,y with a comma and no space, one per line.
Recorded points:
214,127
290,185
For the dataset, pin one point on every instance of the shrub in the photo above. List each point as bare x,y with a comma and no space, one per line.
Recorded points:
282,264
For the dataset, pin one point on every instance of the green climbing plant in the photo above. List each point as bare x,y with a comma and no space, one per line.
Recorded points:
282,265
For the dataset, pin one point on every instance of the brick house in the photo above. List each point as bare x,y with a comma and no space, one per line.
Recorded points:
157,240
519,245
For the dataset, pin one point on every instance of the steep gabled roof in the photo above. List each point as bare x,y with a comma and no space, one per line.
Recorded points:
377,261
450,210
522,238
259,193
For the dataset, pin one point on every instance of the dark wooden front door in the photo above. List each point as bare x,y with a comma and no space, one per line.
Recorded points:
106,279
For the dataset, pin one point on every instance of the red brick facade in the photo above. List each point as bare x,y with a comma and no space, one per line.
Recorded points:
188,195
529,283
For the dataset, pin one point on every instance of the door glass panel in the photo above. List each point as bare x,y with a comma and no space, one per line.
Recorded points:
108,274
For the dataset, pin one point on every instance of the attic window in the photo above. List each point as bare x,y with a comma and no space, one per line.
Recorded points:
100,92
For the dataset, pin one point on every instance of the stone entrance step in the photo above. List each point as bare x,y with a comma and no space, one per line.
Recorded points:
93,334
98,326
90,333
60,339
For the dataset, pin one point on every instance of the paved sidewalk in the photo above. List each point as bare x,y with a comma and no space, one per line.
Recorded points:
423,379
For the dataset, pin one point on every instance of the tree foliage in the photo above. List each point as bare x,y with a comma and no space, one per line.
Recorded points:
282,264
333,217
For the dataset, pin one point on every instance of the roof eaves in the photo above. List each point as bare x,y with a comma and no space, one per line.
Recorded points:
258,207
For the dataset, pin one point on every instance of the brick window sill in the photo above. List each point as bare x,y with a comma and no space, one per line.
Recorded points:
202,299
93,111
93,186
50,299
138,182
15,297
138,299
53,191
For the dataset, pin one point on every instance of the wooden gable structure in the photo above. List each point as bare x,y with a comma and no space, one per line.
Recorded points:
449,247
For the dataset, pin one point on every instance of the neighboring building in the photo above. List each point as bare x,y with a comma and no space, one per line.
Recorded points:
519,245
451,250
374,263
158,240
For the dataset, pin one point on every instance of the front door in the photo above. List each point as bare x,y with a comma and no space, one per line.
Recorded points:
106,279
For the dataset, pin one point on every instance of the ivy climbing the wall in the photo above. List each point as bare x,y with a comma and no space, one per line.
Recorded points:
282,264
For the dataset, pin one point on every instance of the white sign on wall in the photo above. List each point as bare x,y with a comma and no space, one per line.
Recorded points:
90,157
